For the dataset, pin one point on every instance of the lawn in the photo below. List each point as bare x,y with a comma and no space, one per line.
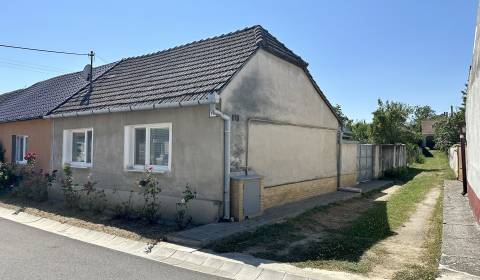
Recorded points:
343,236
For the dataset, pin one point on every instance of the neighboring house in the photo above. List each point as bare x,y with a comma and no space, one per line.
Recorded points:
22,128
472,118
173,110
428,133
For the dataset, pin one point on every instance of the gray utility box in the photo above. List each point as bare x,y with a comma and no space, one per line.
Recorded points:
246,196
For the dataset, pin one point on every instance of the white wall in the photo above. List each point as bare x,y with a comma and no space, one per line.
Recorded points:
453,158
473,119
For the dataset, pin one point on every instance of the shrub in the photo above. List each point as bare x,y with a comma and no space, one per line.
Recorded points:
149,185
183,218
125,210
35,184
414,153
96,199
72,196
8,176
31,158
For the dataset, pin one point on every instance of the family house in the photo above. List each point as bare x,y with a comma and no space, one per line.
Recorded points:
22,127
240,104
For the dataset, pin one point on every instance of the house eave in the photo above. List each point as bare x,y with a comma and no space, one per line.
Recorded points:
131,108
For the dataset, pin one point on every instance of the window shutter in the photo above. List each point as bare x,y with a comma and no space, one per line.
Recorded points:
14,148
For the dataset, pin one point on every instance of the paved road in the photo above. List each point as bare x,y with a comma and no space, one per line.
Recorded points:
29,253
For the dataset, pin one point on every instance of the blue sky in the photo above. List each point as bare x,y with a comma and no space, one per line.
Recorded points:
417,52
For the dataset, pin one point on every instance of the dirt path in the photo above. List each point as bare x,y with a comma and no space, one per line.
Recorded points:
406,247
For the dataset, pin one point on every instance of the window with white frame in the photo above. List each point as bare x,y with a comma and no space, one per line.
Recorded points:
78,147
20,148
148,145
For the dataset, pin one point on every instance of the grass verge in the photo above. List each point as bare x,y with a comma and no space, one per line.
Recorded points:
428,270
313,240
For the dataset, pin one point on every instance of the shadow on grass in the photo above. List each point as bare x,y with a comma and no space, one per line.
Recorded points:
345,244
133,228
426,152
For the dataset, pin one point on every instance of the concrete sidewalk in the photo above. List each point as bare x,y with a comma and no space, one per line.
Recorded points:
207,234
461,236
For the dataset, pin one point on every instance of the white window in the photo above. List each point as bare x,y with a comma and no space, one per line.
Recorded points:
21,145
148,145
78,147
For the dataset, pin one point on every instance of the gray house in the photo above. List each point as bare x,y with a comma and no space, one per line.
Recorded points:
201,114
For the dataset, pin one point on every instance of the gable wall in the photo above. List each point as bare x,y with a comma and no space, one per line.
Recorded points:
269,87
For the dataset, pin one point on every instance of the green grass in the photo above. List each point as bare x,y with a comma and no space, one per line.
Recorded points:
350,248
433,245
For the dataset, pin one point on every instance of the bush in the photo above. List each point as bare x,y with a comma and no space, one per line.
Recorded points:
72,196
125,210
8,176
34,184
184,218
96,199
149,185
414,153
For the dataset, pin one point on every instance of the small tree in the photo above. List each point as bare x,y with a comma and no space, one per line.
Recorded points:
361,131
343,118
448,129
390,124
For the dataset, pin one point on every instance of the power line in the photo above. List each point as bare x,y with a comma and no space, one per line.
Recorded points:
33,66
43,50
101,58
29,64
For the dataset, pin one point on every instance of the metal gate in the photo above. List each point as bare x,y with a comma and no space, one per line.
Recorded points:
365,162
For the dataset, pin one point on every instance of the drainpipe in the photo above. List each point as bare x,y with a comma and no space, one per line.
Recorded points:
339,155
214,112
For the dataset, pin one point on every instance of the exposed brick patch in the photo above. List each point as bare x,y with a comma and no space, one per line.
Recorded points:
474,202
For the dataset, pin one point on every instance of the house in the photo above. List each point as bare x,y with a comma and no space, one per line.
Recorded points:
22,127
201,114
472,119
428,133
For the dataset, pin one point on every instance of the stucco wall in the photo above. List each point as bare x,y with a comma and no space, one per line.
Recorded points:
197,156
473,125
270,88
39,134
349,163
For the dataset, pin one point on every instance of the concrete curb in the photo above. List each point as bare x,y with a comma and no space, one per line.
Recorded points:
176,255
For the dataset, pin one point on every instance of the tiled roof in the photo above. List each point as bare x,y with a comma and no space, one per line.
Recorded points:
39,99
184,73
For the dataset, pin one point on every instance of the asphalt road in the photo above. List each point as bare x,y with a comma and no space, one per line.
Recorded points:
29,253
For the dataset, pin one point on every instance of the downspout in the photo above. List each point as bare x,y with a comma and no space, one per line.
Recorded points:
339,155
227,125
52,146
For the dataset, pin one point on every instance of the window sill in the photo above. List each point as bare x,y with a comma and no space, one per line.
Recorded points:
21,162
79,165
141,170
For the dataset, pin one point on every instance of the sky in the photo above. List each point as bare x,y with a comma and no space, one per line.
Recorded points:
416,52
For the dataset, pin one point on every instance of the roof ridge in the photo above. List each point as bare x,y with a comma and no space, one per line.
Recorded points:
196,41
